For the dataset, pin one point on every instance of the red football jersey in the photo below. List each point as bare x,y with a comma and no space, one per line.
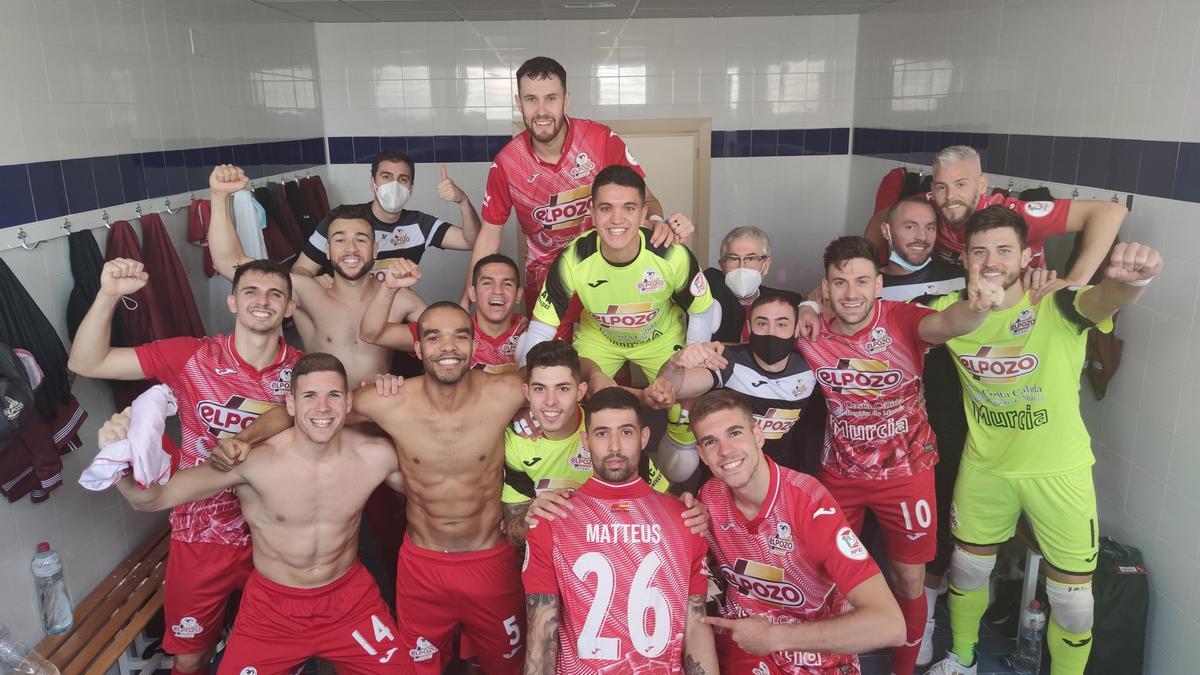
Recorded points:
877,427
1045,220
553,201
623,565
219,394
794,562
496,353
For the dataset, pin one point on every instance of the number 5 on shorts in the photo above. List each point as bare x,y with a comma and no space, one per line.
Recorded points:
382,632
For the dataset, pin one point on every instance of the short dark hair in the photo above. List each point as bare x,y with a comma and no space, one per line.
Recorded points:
351,212
318,362
393,155
844,249
718,400
768,297
266,267
440,304
612,398
553,353
995,217
540,68
495,258
619,174
912,199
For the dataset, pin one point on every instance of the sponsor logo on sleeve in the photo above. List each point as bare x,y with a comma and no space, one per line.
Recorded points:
849,545
629,155
1038,209
699,285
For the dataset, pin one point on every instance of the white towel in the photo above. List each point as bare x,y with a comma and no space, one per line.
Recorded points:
142,449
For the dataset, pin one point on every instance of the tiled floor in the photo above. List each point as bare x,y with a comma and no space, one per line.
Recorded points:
992,647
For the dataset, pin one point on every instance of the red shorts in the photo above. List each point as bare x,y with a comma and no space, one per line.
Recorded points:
735,661
200,577
345,621
906,509
479,591
535,278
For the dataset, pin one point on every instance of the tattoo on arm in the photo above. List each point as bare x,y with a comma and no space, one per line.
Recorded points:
696,611
514,523
692,666
541,656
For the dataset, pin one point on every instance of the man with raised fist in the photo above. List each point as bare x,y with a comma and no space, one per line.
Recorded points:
1027,450
222,383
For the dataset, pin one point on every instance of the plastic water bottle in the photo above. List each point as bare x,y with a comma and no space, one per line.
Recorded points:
53,600
1027,660
20,659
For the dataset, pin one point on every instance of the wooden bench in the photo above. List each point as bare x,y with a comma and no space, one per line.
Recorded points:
112,617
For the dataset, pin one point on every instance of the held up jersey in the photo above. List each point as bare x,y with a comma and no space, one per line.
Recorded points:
498,353
1020,378
623,565
533,463
553,201
1045,220
629,304
877,428
219,394
794,562
776,399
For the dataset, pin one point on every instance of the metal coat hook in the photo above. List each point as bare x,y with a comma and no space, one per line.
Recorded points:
22,235
104,217
137,208
167,205
66,226
1075,193
1115,200
1010,184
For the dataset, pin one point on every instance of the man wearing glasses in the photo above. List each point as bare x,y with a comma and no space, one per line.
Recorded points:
745,259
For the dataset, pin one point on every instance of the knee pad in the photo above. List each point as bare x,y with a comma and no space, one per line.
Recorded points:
677,461
1071,605
969,571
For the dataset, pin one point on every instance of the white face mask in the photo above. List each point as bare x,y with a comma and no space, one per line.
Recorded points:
392,196
743,281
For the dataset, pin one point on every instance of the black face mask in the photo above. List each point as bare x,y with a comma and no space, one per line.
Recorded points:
770,348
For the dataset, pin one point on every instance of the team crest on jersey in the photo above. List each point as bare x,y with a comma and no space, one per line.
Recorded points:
423,651
760,669
699,285
249,670
880,340
187,628
399,238
781,543
583,166
762,582
999,365
281,385
1024,322
849,544
864,377
802,389
628,316
227,419
1038,209
581,460
566,209
777,422
651,282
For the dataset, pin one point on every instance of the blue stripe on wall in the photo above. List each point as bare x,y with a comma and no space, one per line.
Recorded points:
1166,169
43,190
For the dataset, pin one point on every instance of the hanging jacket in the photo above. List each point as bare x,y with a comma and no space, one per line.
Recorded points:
318,187
140,313
86,263
278,235
310,198
16,396
304,218
199,216
171,287
24,326
890,190
31,464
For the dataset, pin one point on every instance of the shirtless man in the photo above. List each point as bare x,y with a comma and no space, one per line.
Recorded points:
455,567
308,595
351,249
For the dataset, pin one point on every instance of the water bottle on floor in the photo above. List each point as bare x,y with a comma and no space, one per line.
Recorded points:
53,601
1027,660
18,658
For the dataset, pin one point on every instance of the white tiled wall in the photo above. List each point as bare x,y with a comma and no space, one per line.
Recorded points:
1106,68
82,78
744,73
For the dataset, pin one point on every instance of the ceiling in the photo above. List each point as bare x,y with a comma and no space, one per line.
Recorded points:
356,11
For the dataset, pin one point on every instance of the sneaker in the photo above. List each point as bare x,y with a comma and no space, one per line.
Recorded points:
950,666
925,655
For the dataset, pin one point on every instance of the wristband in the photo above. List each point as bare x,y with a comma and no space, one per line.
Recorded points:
656,217
1140,283
811,304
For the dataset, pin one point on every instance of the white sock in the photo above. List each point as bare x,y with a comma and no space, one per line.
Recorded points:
931,596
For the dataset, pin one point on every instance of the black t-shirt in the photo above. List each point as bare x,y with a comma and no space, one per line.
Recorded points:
943,392
733,312
405,238
778,401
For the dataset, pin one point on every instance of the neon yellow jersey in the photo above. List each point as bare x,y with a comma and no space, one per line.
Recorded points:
535,464
1020,373
631,304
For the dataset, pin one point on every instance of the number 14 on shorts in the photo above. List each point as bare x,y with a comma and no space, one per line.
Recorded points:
382,632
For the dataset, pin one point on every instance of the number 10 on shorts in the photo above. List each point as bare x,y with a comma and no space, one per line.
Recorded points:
921,511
